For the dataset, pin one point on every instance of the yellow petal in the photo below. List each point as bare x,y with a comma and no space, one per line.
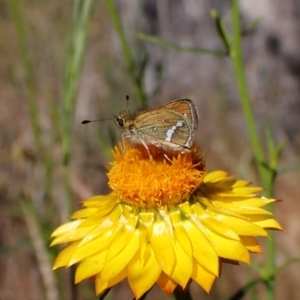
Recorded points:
245,210
215,176
90,266
247,190
105,218
166,283
251,244
108,226
202,276
183,267
101,285
269,224
102,202
241,226
162,243
91,248
143,242
206,220
63,258
143,273
72,235
103,230
203,251
122,237
220,228
256,201
240,183
120,261
180,234
66,228
146,220
229,248
84,213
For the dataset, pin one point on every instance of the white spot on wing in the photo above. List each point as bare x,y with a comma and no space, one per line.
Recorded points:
188,143
171,131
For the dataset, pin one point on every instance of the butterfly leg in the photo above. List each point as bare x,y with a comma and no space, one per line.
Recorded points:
125,136
167,158
134,140
145,145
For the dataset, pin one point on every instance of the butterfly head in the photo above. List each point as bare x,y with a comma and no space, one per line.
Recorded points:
125,120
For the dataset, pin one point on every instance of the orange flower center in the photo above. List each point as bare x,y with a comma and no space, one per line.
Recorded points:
162,179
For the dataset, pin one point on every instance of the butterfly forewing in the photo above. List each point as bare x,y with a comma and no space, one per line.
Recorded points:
170,126
186,108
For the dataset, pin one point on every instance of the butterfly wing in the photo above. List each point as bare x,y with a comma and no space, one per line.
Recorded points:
168,126
184,107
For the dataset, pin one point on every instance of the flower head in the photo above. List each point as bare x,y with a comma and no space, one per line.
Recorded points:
166,221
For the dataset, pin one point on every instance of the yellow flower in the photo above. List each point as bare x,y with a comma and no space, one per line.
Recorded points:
167,221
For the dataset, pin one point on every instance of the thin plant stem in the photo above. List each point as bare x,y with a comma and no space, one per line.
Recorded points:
295,167
240,294
29,71
236,56
40,248
72,68
182,295
265,174
169,45
129,58
45,156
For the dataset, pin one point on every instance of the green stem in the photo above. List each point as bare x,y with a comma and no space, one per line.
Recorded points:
236,56
246,289
68,190
31,97
29,71
182,295
115,17
295,167
72,68
265,174
169,45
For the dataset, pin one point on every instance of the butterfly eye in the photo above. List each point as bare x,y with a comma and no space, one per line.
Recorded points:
120,122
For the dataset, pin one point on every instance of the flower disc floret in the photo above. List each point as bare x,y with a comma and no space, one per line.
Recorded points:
147,182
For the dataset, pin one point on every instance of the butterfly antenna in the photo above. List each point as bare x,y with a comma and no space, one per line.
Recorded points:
127,100
106,119
100,120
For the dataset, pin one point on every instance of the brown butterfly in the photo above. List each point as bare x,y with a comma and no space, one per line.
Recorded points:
171,126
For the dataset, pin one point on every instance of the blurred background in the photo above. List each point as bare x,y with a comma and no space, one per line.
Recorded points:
63,61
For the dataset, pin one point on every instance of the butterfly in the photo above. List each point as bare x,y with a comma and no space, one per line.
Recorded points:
170,126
